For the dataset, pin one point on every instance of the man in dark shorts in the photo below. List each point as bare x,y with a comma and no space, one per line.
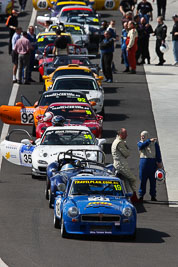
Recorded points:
12,24
15,38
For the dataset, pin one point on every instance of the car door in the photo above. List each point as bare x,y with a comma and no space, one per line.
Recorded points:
20,114
17,153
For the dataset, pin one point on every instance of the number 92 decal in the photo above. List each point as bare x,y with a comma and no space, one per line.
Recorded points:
26,117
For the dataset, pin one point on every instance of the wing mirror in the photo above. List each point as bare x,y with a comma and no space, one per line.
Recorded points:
99,117
26,141
20,104
36,104
101,141
92,103
45,77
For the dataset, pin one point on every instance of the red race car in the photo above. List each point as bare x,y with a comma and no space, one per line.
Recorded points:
74,113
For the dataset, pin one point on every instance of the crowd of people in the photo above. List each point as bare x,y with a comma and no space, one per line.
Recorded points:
135,37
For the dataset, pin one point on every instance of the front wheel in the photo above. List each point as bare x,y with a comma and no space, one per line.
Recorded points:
63,230
57,222
47,189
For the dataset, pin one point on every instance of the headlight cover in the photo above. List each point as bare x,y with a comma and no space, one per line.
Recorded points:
73,212
127,212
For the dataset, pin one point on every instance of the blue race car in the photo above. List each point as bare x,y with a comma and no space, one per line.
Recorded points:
68,165
94,205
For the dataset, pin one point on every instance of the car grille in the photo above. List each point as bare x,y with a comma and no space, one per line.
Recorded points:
42,169
100,218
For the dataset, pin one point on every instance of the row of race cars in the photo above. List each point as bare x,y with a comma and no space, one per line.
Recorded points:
67,120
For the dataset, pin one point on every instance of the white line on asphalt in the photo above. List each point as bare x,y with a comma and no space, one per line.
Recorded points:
2,264
14,92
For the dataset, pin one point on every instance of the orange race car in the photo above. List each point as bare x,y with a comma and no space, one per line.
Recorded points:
23,113
71,69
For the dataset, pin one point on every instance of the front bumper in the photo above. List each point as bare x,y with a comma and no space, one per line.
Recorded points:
97,228
41,171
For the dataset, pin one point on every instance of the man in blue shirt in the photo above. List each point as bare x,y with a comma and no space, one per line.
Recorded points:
150,161
107,49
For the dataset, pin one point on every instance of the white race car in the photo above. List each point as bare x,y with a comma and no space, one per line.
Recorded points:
85,84
55,140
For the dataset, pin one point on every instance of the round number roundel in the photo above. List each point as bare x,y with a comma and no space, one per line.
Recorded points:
42,4
109,4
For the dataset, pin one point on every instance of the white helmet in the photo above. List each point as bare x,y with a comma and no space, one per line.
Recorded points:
164,48
48,116
160,175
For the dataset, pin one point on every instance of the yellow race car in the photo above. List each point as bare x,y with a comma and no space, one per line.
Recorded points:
96,4
71,69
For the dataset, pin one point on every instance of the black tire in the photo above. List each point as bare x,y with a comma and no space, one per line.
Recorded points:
50,200
34,130
63,230
34,176
46,189
57,222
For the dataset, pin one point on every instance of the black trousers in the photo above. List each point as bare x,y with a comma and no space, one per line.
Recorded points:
22,3
158,52
161,7
107,65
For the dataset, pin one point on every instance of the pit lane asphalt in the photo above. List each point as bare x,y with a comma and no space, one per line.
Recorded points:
27,235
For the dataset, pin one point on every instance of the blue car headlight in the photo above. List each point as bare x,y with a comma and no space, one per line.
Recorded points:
127,211
73,212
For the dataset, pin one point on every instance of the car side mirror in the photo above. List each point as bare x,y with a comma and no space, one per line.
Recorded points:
45,77
99,117
92,103
36,104
20,104
101,141
26,141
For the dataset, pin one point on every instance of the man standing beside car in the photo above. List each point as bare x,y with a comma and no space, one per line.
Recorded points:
120,153
23,48
107,49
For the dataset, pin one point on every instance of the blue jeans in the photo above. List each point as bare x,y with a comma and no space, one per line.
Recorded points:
175,50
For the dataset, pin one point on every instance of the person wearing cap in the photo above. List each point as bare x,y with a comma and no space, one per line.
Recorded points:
126,5
120,153
12,24
150,161
160,32
175,39
131,42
